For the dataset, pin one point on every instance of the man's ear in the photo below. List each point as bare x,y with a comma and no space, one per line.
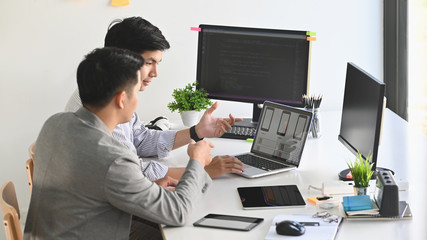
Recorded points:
120,99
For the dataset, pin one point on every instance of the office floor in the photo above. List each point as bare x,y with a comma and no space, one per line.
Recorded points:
417,62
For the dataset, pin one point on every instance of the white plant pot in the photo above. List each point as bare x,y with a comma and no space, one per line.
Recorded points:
190,118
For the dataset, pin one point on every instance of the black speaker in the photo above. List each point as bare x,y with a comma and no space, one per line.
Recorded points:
387,194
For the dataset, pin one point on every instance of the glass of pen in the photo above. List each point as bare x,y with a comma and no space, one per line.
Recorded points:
312,104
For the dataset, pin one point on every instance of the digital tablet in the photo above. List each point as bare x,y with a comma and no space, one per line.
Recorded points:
270,197
238,223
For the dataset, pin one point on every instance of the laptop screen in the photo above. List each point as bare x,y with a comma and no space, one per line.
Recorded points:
281,133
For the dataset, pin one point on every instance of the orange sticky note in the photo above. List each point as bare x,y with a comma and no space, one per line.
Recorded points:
119,3
312,200
311,38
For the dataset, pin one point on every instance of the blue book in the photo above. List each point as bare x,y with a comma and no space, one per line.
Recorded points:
356,203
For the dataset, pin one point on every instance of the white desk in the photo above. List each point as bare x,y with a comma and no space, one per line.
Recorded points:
401,150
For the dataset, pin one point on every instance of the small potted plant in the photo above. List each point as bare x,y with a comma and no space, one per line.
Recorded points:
189,102
361,172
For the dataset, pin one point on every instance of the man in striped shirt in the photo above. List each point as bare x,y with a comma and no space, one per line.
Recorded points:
140,36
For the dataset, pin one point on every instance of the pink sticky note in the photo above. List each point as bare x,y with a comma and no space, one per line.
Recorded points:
195,29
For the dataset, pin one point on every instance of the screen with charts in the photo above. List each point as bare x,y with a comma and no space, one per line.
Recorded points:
282,134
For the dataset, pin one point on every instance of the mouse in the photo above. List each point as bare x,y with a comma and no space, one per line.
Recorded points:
290,228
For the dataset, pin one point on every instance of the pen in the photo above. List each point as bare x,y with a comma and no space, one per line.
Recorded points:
323,198
310,223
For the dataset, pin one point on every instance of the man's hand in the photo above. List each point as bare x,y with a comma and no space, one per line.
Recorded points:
210,126
167,182
200,151
224,164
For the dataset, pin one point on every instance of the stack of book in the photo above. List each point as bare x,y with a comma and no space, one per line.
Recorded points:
362,207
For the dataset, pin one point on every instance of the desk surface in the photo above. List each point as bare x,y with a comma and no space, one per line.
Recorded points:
401,149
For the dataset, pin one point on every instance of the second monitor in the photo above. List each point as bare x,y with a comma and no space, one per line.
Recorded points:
253,65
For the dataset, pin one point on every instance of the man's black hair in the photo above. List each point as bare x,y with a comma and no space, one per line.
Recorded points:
105,72
135,34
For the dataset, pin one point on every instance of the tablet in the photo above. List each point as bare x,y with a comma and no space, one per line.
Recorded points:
238,223
270,197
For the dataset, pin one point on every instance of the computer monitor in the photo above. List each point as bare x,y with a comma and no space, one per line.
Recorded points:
362,113
253,65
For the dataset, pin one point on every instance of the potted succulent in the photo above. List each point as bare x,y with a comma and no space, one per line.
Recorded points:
189,102
361,172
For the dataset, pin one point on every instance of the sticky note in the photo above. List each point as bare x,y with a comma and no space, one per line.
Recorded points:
311,38
311,33
250,140
195,29
119,3
312,200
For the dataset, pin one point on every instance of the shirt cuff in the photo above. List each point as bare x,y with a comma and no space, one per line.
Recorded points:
165,144
153,170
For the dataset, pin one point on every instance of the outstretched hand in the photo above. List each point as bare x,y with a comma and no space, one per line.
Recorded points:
224,164
210,126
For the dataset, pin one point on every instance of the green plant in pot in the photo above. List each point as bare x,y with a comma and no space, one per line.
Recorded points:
189,102
361,172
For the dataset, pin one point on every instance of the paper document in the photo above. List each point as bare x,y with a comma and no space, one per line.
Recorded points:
325,230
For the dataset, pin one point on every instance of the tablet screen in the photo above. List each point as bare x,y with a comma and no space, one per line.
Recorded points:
228,222
270,196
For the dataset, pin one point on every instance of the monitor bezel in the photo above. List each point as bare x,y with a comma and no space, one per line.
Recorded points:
246,99
379,116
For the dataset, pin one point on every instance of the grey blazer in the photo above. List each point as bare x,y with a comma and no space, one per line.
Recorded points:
87,185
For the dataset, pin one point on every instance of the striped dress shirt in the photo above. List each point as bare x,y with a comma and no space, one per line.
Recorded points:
142,141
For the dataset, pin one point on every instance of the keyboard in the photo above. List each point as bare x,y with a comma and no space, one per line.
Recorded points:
239,132
259,162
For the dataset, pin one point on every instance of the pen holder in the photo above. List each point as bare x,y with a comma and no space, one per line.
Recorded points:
315,126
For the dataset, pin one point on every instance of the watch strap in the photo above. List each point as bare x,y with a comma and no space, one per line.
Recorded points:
193,134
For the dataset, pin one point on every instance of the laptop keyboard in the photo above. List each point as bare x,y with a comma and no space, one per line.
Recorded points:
238,132
259,162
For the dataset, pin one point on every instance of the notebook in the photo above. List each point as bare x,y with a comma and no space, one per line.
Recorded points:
357,203
279,140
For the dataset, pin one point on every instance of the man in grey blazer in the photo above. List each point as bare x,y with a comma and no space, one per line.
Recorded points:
86,184
142,37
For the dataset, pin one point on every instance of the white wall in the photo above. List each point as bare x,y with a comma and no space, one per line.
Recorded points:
42,42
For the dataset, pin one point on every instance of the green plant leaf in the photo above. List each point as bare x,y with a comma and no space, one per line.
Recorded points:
361,170
189,98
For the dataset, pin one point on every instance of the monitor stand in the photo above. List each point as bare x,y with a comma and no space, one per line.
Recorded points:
252,123
343,174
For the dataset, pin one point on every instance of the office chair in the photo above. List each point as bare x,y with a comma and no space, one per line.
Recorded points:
29,165
11,213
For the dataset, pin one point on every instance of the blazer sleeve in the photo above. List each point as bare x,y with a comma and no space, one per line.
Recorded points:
127,189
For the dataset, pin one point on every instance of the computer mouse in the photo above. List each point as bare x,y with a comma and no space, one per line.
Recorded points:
290,228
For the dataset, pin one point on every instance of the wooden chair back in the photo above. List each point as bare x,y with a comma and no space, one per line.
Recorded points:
29,165
11,213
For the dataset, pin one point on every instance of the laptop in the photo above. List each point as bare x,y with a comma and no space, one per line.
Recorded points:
279,140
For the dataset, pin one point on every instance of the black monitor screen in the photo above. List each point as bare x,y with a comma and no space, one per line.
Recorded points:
253,65
362,112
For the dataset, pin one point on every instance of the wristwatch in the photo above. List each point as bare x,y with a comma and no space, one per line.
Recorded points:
193,134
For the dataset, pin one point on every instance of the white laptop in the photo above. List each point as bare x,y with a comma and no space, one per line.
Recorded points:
279,140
